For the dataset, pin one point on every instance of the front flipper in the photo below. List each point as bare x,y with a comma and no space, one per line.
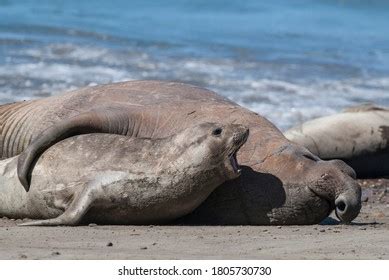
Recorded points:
72,216
116,120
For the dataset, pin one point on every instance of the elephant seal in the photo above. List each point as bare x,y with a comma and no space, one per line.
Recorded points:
281,182
128,181
359,136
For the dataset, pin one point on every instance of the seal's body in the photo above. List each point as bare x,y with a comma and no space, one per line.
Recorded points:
113,179
282,183
359,136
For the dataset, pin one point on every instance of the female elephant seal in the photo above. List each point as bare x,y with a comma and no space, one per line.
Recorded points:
282,183
359,136
112,179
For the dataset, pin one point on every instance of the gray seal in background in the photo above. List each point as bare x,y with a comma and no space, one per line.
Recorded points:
358,135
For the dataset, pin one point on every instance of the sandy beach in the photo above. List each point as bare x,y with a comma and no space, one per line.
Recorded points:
366,238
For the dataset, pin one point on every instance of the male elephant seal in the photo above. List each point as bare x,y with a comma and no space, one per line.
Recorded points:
113,179
281,183
359,136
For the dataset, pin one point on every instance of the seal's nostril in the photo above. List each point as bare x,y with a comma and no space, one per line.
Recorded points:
341,206
347,206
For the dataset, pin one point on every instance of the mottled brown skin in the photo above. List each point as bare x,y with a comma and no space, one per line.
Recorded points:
128,181
282,183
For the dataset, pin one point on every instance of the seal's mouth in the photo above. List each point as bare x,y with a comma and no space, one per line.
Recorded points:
234,163
239,140
329,203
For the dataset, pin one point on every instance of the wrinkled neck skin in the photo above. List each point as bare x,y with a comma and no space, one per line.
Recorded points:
189,160
184,158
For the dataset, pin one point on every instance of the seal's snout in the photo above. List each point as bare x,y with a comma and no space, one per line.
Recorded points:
347,208
337,185
240,136
348,202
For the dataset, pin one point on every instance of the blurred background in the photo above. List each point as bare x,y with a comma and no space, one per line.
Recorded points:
289,60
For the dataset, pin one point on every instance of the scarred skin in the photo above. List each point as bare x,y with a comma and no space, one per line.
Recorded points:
128,181
281,182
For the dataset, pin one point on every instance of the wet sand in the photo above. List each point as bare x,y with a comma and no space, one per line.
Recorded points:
366,238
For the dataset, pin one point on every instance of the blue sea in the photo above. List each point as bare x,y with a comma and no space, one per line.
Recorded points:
287,60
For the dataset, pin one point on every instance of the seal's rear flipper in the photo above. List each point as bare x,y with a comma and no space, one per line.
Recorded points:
80,205
111,120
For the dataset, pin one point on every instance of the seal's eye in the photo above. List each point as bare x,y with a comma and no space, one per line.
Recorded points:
217,131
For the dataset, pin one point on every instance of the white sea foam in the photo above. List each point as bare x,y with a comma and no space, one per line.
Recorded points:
70,74
288,104
75,53
32,80
54,68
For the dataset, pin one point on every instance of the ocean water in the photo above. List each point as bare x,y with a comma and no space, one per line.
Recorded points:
287,60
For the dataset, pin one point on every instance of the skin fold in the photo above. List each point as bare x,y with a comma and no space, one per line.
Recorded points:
281,182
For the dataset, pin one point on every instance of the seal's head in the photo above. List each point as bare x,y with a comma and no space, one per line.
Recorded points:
214,145
308,180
